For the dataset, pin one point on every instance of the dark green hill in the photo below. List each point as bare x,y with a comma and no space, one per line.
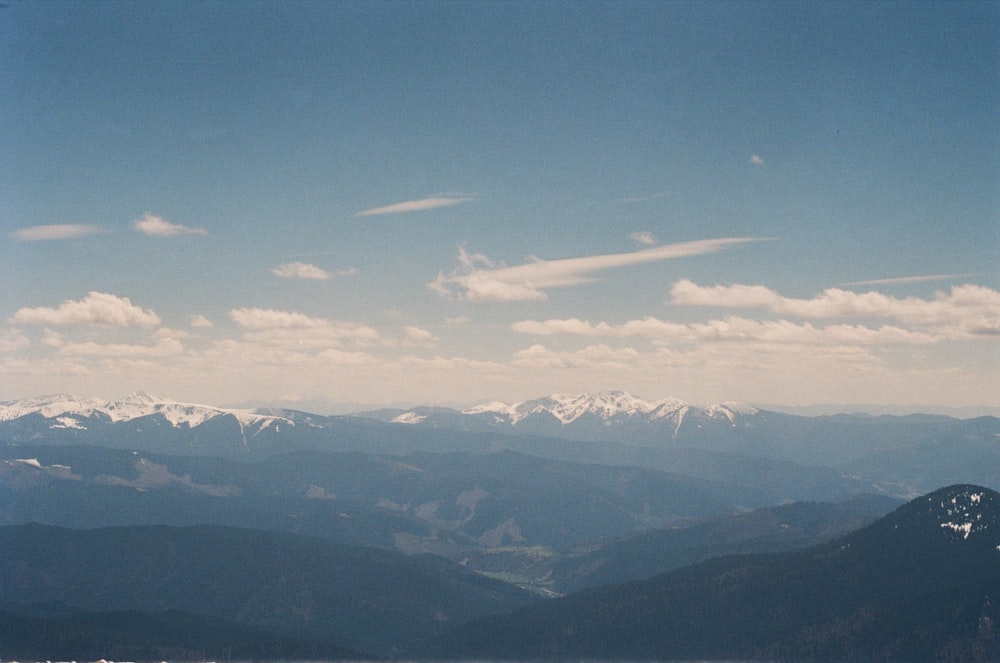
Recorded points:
360,598
922,583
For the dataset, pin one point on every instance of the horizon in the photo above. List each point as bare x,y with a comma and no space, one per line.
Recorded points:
384,203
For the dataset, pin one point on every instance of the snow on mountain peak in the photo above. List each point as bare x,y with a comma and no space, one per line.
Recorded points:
133,406
49,406
570,407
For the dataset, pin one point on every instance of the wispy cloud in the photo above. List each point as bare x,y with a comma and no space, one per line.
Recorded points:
646,198
97,308
301,270
644,237
55,231
201,322
756,160
903,280
416,205
156,226
478,279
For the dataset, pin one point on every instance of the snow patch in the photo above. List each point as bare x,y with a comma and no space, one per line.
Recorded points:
68,422
409,418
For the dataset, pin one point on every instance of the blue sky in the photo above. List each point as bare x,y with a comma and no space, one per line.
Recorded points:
430,202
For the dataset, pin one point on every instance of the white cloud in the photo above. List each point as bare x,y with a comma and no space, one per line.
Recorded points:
415,205
477,279
756,160
728,329
166,347
166,332
300,270
903,280
259,318
55,231
97,308
12,340
156,226
644,237
592,356
286,328
201,322
970,307
418,335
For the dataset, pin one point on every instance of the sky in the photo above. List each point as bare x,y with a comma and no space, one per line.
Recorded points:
457,202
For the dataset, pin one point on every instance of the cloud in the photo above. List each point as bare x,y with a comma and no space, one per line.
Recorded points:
166,347
287,328
969,306
903,280
201,322
415,205
756,160
300,270
729,329
418,336
643,237
11,341
538,356
477,279
646,198
55,231
156,226
97,308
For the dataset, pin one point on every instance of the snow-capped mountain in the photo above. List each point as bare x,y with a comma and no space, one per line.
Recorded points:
608,406
67,411
604,415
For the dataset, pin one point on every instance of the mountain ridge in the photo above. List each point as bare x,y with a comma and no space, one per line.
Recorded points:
918,584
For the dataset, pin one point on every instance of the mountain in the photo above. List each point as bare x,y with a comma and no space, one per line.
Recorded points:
444,503
644,554
72,412
605,415
789,457
361,599
920,584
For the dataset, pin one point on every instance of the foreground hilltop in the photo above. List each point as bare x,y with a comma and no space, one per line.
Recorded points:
920,584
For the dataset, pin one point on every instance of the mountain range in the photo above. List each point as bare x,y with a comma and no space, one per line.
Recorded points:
796,457
633,511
